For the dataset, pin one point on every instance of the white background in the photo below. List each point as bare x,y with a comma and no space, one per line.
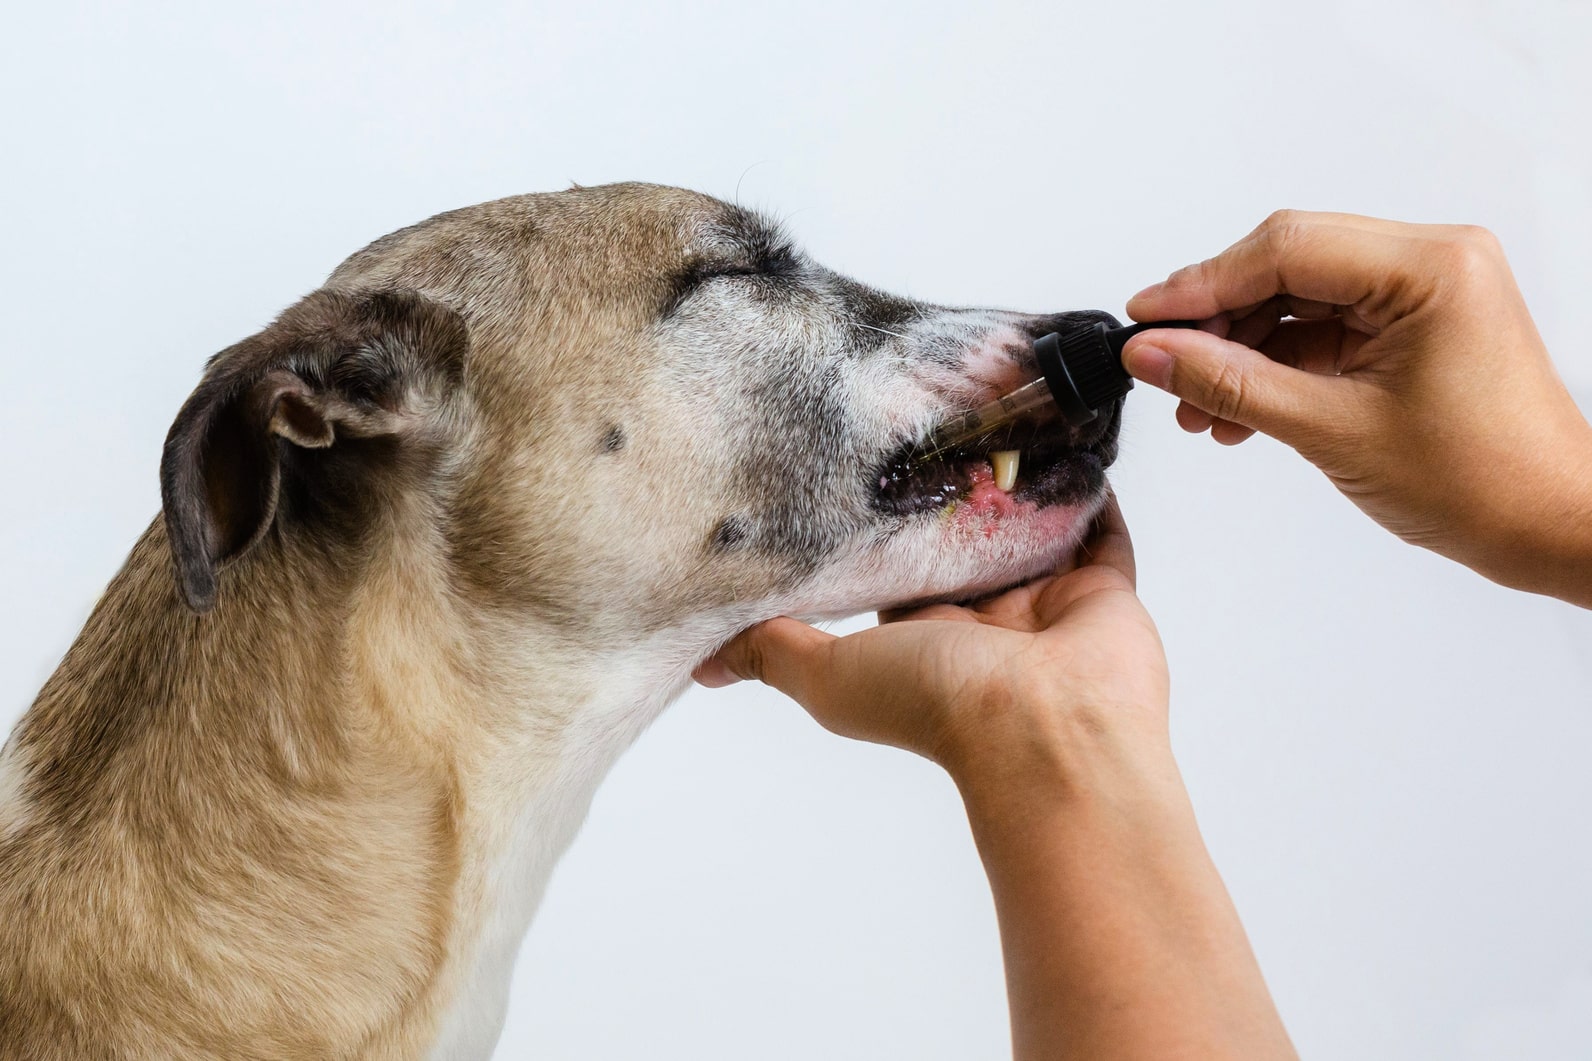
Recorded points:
1389,755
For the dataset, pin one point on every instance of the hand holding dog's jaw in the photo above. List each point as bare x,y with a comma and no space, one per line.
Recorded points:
1047,705
1043,684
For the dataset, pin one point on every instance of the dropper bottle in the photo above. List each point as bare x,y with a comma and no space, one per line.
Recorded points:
1082,374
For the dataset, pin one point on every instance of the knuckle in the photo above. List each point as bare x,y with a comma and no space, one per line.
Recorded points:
1207,273
1281,219
1191,275
1229,392
1282,230
1468,257
1482,252
1480,238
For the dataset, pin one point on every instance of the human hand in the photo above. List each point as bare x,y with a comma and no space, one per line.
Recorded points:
1401,360
1037,682
1047,704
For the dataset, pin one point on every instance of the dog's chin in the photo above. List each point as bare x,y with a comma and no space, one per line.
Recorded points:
976,550
953,555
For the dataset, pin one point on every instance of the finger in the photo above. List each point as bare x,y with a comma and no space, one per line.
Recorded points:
1309,345
1014,609
1193,419
788,655
1312,343
1109,544
1335,259
1232,382
1219,324
950,612
1309,309
1234,314
1253,323
711,673
1108,564
1230,434
1252,329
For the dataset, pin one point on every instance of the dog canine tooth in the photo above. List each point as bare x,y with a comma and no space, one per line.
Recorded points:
1005,464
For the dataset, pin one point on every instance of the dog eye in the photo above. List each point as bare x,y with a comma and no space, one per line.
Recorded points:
773,261
721,272
778,260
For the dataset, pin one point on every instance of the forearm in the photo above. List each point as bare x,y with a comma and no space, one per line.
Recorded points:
1119,938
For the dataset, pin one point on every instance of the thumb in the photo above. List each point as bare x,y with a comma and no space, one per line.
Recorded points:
1233,382
788,655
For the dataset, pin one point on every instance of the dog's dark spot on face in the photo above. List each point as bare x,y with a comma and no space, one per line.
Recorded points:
614,440
730,532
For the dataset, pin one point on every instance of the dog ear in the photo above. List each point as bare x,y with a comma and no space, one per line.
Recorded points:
334,369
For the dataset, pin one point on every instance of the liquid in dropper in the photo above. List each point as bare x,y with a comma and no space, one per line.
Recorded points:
986,418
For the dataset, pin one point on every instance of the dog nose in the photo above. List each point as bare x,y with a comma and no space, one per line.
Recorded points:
1069,321
1102,430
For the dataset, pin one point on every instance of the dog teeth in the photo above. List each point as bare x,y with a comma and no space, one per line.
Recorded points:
1005,464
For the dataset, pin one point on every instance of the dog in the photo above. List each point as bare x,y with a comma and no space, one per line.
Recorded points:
435,547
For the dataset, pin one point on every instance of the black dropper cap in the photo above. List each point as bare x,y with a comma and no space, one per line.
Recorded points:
1084,367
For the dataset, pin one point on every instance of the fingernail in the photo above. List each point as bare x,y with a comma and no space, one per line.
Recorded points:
1150,363
713,674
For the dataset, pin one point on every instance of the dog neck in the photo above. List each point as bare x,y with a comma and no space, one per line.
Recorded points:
339,795
533,783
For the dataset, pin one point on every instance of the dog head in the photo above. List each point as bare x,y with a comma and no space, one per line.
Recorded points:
620,408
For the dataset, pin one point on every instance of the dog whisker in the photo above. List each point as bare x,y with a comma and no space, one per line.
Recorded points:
886,331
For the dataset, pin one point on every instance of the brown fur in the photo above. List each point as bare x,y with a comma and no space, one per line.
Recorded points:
241,831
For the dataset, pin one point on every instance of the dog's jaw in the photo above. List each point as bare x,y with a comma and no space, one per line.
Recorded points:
960,556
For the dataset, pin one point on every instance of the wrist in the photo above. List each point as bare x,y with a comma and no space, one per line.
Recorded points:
1578,534
1069,766
1542,543
1061,726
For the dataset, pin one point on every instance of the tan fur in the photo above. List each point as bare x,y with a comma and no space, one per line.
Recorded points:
271,804
270,835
